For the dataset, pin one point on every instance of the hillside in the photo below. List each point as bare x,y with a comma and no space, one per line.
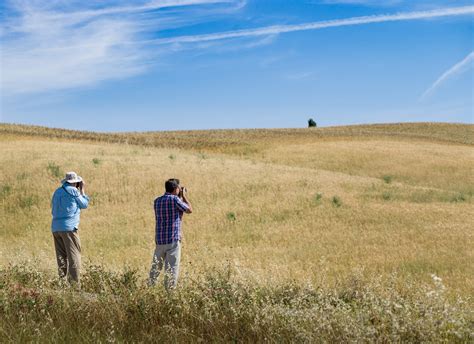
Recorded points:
396,183
236,141
385,203
356,150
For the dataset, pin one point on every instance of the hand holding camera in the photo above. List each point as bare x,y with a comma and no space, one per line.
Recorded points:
80,186
182,192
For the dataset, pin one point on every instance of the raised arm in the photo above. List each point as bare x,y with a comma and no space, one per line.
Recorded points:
82,199
186,200
184,205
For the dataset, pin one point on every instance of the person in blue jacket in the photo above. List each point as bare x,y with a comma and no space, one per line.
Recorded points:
67,202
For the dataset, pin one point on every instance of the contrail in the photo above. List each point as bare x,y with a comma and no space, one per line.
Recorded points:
277,29
457,68
152,5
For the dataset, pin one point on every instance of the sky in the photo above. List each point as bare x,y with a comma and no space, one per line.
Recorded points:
118,65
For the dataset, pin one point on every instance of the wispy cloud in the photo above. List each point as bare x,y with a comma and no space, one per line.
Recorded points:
458,68
299,76
361,2
279,29
55,44
48,46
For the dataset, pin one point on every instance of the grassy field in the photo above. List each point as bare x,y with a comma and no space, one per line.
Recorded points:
388,206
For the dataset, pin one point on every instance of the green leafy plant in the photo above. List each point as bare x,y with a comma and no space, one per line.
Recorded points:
5,190
54,169
460,197
231,216
317,199
336,201
27,202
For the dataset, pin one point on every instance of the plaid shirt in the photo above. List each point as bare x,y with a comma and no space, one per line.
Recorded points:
168,211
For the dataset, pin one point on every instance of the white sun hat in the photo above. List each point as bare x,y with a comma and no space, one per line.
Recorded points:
72,177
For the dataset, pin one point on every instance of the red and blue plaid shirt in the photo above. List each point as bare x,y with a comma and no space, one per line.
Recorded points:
168,211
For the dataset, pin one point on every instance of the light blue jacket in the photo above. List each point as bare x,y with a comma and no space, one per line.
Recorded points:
66,207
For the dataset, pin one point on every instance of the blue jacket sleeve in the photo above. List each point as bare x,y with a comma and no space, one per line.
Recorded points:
81,200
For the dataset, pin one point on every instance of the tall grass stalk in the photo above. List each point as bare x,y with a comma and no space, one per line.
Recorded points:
223,306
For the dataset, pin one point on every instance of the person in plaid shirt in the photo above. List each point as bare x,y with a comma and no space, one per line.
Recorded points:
169,210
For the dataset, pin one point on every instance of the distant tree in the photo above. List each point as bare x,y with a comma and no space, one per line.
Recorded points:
312,123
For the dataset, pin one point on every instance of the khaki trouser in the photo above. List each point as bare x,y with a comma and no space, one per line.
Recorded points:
168,255
68,255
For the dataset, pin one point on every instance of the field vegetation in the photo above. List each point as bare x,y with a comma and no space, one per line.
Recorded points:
358,233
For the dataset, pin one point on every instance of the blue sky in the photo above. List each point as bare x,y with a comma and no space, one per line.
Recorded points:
119,65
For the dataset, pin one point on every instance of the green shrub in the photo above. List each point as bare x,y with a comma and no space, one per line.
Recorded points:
26,202
54,170
5,191
336,201
231,216
387,179
460,197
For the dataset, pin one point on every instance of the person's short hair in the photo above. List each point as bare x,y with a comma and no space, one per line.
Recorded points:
171,185
175,180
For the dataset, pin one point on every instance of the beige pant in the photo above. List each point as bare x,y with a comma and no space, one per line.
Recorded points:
68,255
168,255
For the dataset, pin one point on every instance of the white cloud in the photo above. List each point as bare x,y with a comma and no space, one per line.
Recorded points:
458,68
47,46
362,2
278,29
88,55
54,44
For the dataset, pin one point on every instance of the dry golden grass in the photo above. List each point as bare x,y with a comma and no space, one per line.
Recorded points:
255,195
250,141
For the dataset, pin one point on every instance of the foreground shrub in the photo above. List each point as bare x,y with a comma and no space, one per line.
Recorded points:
220,306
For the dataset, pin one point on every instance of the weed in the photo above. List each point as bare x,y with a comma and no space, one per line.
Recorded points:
96,161
387,179
28,201
172,157
22,176
231,216
54,170
336,201
460,197
317,199
5,191
95,198
219,303
386,196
